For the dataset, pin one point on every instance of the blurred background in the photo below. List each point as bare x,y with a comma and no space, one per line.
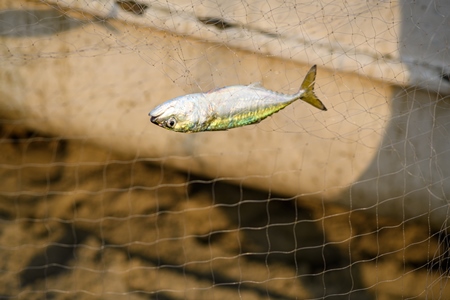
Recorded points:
97,202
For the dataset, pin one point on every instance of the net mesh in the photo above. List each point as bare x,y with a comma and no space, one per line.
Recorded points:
88,211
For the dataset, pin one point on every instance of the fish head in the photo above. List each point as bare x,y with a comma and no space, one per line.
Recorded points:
179,114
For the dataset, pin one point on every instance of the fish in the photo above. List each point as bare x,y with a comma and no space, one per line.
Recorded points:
229,107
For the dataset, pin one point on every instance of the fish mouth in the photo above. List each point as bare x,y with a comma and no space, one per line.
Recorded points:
153,119
154,115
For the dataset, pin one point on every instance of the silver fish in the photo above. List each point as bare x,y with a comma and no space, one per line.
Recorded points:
229,107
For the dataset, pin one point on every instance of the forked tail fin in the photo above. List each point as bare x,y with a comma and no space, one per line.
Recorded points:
307,89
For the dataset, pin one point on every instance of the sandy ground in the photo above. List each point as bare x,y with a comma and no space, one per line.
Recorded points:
80,222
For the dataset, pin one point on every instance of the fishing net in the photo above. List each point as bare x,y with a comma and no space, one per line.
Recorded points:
97,202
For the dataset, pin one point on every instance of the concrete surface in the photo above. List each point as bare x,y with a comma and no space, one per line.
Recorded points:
91,70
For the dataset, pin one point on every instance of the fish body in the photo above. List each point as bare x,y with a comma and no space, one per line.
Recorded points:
229,107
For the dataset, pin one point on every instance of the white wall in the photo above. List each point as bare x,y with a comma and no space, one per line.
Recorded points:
76,76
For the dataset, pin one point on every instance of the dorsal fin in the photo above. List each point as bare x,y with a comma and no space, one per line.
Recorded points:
215,89
256,85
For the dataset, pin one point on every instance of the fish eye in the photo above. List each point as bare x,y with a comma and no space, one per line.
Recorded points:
171,122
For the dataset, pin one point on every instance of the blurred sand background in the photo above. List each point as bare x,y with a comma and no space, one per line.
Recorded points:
81,222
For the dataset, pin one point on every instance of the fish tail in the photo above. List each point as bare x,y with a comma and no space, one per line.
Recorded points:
307,90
